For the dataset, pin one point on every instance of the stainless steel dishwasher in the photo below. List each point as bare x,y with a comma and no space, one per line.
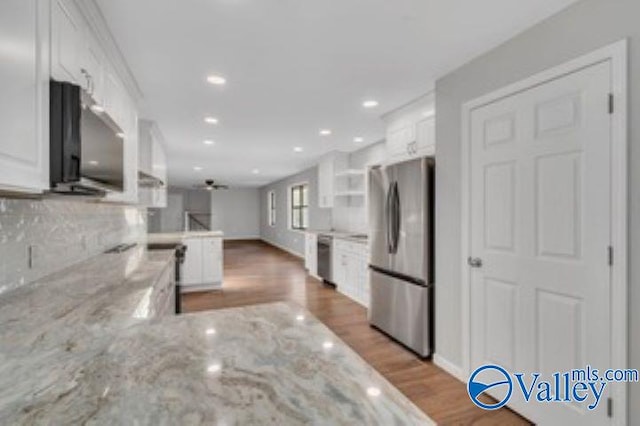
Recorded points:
325,270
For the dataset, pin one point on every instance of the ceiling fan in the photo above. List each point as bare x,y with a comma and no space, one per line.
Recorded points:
211,185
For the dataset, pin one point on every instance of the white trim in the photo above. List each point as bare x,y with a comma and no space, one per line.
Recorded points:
449,367
283,248
617,54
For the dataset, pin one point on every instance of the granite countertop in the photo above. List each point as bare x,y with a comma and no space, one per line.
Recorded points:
342,235
178,237
80,347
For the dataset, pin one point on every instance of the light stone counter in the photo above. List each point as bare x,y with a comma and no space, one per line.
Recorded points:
179,237
78,347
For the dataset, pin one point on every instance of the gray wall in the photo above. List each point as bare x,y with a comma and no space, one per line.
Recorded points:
179,201
236,213
280,234
582,28
319,218
62,232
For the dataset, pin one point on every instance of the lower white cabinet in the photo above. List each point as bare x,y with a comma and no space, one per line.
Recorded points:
311,254
202,268
350,270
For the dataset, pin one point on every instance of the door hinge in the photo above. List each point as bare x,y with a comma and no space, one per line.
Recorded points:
611,103
609,407
610,255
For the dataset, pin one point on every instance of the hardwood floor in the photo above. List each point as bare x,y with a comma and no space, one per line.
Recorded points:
256,272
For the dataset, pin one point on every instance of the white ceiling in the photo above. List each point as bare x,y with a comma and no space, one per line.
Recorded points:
292,68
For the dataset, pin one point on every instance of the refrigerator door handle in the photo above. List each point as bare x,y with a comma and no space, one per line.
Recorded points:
396,217
388,219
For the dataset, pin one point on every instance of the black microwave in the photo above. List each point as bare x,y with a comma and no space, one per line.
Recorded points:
86,146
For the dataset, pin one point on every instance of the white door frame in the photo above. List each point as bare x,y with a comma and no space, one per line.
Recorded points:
617,55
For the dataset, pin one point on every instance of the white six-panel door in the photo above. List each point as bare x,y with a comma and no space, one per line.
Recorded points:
540,223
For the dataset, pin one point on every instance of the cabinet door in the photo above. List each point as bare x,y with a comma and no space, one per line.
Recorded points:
212,260
130,150
92,66
426,135
159,170
66,41
192,267
24,96
325,183
399,138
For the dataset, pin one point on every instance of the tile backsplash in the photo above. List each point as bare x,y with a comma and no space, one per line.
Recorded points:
39,237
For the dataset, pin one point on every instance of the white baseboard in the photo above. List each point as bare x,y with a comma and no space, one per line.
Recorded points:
449,367
243,238
283,248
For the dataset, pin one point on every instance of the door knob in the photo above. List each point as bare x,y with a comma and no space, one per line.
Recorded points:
474,262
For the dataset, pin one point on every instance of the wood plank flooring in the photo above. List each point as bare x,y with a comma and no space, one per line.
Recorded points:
256,272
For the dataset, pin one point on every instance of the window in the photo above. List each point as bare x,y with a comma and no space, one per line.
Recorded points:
272,208
300,206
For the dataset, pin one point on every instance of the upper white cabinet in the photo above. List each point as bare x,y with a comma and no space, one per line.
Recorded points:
129,126
24,96
331,164
67,41
411,129
152,165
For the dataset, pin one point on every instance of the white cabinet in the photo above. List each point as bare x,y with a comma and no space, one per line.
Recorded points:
311,254
350,270
152,165
212,260
129,126
67,39
203,264
159,167
24,96
327,168
411,130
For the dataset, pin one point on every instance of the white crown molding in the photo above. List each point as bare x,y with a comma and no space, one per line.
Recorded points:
98,25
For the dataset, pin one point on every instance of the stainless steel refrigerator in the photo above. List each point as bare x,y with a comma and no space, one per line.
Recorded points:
401,221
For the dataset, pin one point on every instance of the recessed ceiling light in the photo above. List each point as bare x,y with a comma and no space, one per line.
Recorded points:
120,135
255,171
358,139
93,163
370,103
429,113
325,132
217,80
211,331
300,318
211,120
209,142
298,149
327,345
197,168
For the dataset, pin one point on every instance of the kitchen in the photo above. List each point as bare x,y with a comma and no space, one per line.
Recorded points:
231,212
